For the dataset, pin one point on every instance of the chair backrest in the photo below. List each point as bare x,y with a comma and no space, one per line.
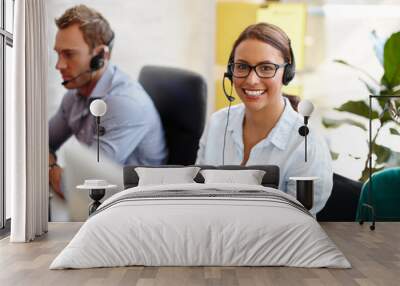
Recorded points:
385,196
342,204
180,97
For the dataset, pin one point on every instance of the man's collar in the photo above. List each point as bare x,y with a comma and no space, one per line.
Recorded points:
102,87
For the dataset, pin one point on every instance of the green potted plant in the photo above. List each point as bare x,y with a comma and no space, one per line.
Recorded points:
385,111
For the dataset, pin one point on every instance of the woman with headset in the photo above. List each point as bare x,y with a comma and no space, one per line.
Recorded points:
263,129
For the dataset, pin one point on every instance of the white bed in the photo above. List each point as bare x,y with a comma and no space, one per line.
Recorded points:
224,225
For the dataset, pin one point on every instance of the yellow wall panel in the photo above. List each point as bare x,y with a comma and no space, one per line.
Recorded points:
232,18
291,17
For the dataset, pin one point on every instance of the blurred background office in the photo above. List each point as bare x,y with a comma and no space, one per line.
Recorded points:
197,35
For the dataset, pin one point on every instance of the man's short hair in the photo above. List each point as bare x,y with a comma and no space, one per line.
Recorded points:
95,28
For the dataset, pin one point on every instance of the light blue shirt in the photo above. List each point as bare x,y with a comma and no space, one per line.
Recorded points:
283,147
133,130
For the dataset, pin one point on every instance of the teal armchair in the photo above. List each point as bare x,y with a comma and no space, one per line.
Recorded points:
385,196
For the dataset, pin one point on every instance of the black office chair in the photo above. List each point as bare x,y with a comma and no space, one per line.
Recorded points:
180,97
342,204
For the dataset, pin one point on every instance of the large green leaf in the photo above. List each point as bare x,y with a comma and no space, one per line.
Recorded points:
391,61
334,123
383,102
385,118
382,153
357,107
394,131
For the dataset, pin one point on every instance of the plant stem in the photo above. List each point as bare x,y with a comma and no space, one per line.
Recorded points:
365,73
370,151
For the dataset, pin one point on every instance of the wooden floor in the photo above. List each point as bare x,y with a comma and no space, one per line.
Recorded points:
374,255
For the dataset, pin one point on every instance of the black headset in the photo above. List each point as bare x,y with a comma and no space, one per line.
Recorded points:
229,75
288,73
97,61
290,68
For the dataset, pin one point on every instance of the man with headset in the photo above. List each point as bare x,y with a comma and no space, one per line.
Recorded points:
133,133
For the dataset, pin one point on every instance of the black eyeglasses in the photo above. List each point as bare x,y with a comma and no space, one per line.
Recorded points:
263,70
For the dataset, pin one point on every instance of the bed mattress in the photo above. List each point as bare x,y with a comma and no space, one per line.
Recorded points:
201,225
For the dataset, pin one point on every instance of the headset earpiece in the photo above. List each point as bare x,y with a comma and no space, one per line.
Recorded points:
290,69
229,75
97,61
229,97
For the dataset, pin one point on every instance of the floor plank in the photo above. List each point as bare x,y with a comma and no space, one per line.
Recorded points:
374,255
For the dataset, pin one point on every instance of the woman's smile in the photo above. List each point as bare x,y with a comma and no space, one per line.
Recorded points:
254,94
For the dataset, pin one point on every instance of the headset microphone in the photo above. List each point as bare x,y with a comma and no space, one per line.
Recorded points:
65,82
96,63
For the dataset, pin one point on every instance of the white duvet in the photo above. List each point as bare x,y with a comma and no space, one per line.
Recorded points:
182,231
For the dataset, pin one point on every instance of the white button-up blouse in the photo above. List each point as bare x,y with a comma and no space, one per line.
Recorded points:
283,147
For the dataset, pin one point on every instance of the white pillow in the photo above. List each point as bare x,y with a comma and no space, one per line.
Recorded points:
165,176
248,177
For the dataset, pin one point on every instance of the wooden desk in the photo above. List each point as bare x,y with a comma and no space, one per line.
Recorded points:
374,255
